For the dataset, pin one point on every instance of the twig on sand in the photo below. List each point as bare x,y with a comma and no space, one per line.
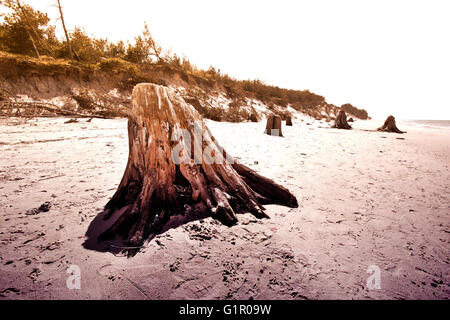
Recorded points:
134,284
120,247
48,178
427,272
53,261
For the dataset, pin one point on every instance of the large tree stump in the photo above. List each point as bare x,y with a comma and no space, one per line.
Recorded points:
341,121
390,126
169,173
273,126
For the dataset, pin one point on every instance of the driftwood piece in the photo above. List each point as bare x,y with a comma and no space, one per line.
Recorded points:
341,121
171,171
15,108
71,121
390,126
273,126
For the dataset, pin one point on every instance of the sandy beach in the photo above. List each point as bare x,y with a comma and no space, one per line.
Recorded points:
365,199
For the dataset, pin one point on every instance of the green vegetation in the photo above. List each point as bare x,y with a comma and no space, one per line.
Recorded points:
28,32
360,113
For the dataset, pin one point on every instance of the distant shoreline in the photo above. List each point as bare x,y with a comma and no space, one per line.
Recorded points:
436,124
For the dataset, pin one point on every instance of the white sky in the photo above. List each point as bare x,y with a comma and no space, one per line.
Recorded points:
389,57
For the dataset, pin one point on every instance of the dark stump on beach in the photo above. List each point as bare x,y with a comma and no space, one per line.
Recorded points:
170,173
341,121
390,126
253,117
273,126
289,121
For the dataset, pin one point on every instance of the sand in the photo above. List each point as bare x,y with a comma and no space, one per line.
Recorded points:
366,199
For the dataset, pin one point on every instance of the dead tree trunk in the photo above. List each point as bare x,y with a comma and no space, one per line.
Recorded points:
273,126
28,29
390,126
289,121
170,173
341,121
69,45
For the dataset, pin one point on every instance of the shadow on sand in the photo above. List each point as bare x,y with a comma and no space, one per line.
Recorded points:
119,245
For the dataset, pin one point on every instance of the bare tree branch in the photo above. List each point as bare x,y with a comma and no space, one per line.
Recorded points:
69,45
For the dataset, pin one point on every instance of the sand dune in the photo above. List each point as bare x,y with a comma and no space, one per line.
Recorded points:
366,198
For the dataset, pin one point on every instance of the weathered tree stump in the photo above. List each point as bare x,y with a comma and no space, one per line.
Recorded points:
169,173
341,121
289,121
390,126
273,126
351,120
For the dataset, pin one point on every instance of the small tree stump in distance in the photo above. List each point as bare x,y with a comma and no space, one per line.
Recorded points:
390,126
289,121
273,126
351,120
253,117
157,186
341,121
